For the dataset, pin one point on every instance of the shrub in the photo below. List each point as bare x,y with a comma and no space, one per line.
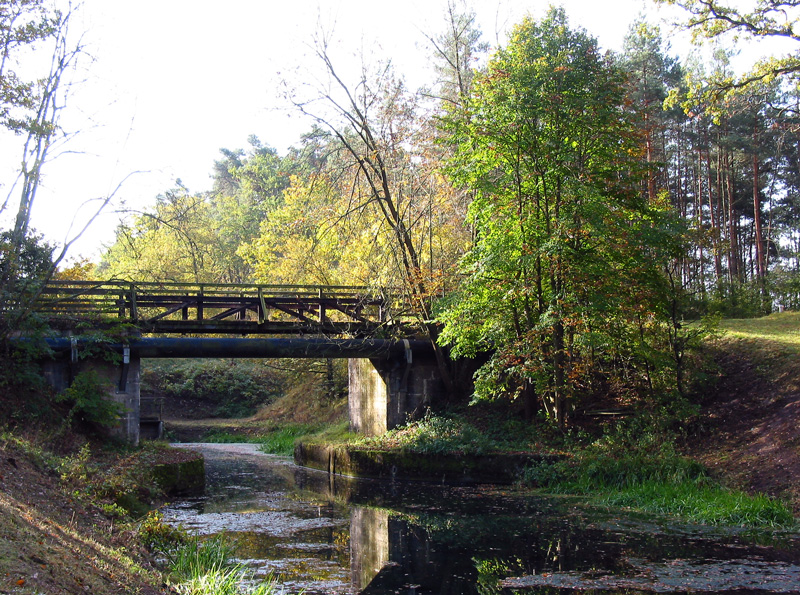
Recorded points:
90,401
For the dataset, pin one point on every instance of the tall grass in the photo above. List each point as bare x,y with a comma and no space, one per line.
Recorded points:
660,482
223,582
702,503
204,567
282,440
195,557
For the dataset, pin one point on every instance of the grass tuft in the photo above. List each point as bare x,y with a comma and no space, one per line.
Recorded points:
660,483
703,503
204,567
282,440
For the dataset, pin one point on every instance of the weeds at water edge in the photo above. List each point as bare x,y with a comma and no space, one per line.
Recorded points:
662,483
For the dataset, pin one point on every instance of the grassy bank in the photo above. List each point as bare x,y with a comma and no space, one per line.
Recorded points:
661,482
631,464
65,523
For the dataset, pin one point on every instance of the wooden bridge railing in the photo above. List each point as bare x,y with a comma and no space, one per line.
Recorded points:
215,307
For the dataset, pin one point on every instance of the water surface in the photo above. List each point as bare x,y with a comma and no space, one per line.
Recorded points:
322,534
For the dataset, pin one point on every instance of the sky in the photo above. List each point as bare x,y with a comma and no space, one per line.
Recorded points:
165,84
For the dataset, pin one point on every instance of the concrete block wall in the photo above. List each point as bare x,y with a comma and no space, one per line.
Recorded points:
60,373
385,394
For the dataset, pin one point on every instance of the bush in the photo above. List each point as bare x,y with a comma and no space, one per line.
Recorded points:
90,401
435,434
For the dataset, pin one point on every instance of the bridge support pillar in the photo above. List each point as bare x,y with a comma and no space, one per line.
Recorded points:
120,382
387,393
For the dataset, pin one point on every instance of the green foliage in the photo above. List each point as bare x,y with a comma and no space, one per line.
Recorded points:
158,536
435,434
120,482
194,237
90,401
647,474
24,393
282,440
23,24
564,279
39,456
738,300
591,471
235,387
225,437
704,503
194,557
205,567
25,264
758,20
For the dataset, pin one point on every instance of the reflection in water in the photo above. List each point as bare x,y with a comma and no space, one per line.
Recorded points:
326,534
369,545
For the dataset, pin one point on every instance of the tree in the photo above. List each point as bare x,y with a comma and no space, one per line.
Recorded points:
455,50
378,162
305,242
712,19
23,23
651,76
32,109
175,242
567,250
247,187
40,123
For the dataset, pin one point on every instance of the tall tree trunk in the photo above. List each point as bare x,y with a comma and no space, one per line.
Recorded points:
712,209
733,246
761,263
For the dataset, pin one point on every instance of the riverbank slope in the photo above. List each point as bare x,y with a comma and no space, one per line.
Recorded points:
52,542
748,431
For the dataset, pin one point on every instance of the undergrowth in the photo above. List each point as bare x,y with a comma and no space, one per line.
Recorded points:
433,434
196,566
652,477
282,440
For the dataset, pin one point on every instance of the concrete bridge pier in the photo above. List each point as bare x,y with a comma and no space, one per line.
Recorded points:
119,380
386,393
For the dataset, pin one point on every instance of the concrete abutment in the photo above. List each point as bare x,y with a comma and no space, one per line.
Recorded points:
390,382
120,380
387,393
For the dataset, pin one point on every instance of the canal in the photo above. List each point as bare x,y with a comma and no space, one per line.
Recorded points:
322,534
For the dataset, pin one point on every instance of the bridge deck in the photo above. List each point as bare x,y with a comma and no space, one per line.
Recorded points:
220,308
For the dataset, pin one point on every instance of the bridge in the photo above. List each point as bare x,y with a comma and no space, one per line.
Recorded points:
217,308
389,378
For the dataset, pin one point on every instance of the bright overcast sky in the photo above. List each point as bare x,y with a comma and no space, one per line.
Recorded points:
173,81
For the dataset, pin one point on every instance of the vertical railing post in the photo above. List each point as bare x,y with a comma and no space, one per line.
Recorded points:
121,304
134,308
262,315
322,315
200,304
